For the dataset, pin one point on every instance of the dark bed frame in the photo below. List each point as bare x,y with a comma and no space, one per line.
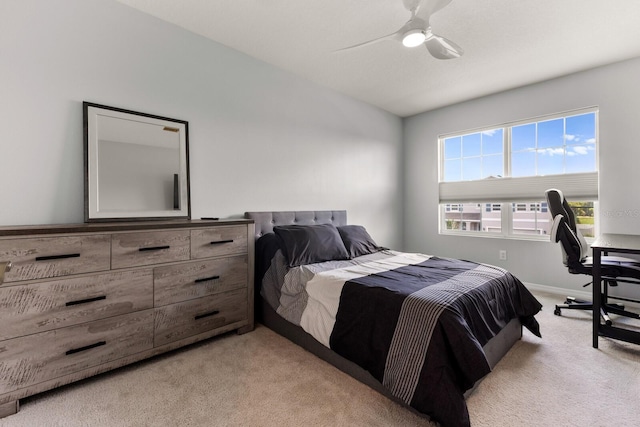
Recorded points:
495,349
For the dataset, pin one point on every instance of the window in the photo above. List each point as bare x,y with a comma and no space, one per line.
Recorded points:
584,213
469,217
528,219
539,207
496,176
474,156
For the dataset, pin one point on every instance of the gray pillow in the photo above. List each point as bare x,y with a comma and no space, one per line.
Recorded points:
309,244
357,241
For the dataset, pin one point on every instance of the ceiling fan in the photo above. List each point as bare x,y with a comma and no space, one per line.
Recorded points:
417,31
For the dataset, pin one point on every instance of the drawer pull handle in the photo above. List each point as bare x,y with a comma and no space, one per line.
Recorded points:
50,257
154,248
206,279
220,242
87,347
84,301
201,316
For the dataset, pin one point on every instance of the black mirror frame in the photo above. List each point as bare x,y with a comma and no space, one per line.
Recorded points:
88,217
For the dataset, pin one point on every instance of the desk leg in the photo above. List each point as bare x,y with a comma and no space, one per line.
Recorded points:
597,291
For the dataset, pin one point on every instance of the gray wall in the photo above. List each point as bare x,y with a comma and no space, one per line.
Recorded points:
614,89
260,138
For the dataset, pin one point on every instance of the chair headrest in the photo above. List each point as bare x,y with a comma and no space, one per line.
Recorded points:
558,205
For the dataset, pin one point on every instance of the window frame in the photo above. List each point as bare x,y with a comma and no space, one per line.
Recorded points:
504,205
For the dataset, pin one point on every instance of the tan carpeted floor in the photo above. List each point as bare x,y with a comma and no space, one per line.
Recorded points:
261,379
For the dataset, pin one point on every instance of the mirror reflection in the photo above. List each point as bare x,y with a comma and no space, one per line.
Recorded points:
137,166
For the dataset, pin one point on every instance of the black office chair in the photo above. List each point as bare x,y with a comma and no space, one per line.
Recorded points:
574,251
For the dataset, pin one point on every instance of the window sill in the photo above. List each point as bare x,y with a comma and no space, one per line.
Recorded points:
535,238
524,237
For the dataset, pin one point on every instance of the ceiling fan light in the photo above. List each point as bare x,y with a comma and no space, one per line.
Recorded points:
413,38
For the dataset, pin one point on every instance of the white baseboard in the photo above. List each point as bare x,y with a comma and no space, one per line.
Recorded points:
586,294
563,293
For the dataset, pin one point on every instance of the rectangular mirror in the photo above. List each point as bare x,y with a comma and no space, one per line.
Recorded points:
136,165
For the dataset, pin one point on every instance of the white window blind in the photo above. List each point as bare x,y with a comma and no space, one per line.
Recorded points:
577,186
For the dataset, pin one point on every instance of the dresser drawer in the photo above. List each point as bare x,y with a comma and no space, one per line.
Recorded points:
39,307
38,258
177,321
36,358
182,282
218,241
147,248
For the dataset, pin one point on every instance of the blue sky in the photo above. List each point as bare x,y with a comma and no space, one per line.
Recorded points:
557,146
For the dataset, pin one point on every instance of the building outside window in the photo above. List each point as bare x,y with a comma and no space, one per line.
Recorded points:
496,177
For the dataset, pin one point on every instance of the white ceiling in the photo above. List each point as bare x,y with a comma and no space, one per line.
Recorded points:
507,43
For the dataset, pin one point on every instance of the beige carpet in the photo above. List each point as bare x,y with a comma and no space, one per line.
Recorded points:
261,379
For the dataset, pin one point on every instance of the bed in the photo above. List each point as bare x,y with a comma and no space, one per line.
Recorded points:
422,330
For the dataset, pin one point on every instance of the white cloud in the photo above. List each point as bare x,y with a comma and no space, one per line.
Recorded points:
580,149
570,137
490,132
553,151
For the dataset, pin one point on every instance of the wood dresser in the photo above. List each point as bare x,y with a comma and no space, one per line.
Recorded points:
83,299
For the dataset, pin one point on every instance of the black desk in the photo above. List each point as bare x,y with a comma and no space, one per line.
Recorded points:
603,245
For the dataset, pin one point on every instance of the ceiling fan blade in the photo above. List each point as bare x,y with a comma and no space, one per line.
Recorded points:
426,8
392,36
411,5
442,48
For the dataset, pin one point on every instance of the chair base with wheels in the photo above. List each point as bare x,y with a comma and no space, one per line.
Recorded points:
572,303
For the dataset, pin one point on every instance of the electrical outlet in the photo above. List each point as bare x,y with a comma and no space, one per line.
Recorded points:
503,255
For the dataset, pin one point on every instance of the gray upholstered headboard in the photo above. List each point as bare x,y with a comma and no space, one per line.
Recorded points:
265,221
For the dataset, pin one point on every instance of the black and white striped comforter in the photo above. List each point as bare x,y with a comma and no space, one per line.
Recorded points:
417,323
